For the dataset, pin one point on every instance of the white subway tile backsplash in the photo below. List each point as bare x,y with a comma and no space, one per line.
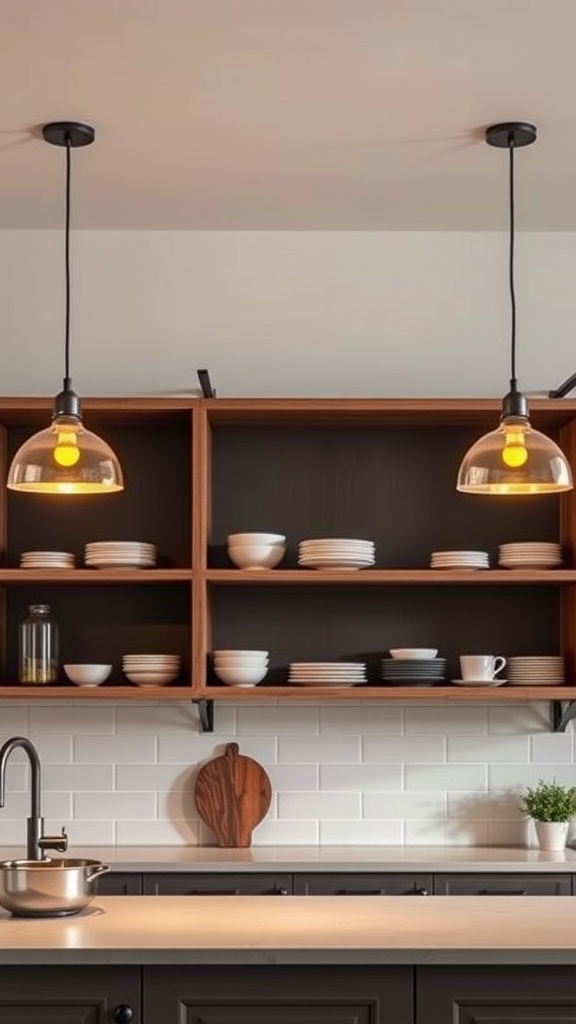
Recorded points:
154,777
286,833
126,749
404,805
319,749
555,748
448,833
290,721
71,720
361,833
354,777
488,748
342,773
404,749
446,720
293,776
120,806
157,833
444,777
519,718
319,805
380,720
81,777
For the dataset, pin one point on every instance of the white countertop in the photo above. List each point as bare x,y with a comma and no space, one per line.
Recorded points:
321,858
299,930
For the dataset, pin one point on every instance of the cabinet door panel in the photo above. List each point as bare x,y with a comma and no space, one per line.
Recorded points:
216,884
502,885
362,884
67,995
278,995
495,995
119,883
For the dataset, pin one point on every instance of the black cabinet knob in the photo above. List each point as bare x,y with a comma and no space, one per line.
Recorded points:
123,1014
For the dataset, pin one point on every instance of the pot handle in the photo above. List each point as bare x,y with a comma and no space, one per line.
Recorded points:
92,873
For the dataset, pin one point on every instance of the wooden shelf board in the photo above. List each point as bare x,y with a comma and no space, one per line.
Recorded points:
127,692
434,577
144,576
405,693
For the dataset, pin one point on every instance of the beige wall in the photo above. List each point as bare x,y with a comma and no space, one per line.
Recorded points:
286,313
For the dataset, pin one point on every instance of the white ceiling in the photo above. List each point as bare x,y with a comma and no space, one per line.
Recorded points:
288,114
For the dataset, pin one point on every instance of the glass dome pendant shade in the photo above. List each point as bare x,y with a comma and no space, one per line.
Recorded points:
66,458
515,458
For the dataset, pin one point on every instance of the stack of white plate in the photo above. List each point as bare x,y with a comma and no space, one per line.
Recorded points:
530,555
460,560
413,671
47,560
539,670
327,673
151,669
336,553
120,554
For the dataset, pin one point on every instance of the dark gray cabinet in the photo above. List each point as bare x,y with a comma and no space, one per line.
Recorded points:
278,995
362,884
493,995
502,885
70,995
119,883
216,884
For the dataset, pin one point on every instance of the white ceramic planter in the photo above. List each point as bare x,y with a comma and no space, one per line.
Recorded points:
552,835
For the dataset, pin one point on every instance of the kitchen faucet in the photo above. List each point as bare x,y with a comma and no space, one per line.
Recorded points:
37,842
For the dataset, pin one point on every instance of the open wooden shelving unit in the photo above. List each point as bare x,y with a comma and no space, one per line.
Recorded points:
198,469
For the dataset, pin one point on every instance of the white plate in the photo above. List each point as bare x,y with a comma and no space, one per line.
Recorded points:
479,682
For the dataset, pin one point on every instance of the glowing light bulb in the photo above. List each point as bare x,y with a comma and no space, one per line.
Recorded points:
66,452
514,453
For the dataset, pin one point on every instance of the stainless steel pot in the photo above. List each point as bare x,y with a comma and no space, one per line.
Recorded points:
48,888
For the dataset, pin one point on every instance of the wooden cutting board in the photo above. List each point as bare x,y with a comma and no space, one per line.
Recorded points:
232,794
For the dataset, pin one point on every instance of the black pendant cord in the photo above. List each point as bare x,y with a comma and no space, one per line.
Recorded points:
513,378
67,381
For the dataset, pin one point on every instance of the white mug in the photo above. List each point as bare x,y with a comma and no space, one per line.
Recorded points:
481,666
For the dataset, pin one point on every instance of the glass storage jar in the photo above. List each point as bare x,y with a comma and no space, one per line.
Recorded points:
38,646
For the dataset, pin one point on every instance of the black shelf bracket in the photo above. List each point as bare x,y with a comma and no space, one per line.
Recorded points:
206,384
562,712
206,714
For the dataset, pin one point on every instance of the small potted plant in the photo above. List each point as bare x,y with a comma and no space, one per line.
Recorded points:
552,807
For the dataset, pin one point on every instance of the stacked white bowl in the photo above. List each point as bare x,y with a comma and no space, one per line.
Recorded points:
241,667
334,554
151,669
120,554
530,555
256,550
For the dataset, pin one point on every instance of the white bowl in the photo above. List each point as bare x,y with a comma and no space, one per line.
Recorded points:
255,538
419,653
240,676
256,556
87,675
249,660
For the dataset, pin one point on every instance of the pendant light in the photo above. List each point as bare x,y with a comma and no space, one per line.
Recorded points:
515,458
66,458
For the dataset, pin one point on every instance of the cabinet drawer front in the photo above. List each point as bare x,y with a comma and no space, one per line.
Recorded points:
361,884
221,884
502,885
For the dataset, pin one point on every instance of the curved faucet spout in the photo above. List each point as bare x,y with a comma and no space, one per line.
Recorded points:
36,841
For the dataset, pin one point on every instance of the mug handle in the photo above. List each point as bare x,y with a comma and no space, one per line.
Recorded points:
499,663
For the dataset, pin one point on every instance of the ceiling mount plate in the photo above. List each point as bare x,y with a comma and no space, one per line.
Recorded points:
521,133
59,133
